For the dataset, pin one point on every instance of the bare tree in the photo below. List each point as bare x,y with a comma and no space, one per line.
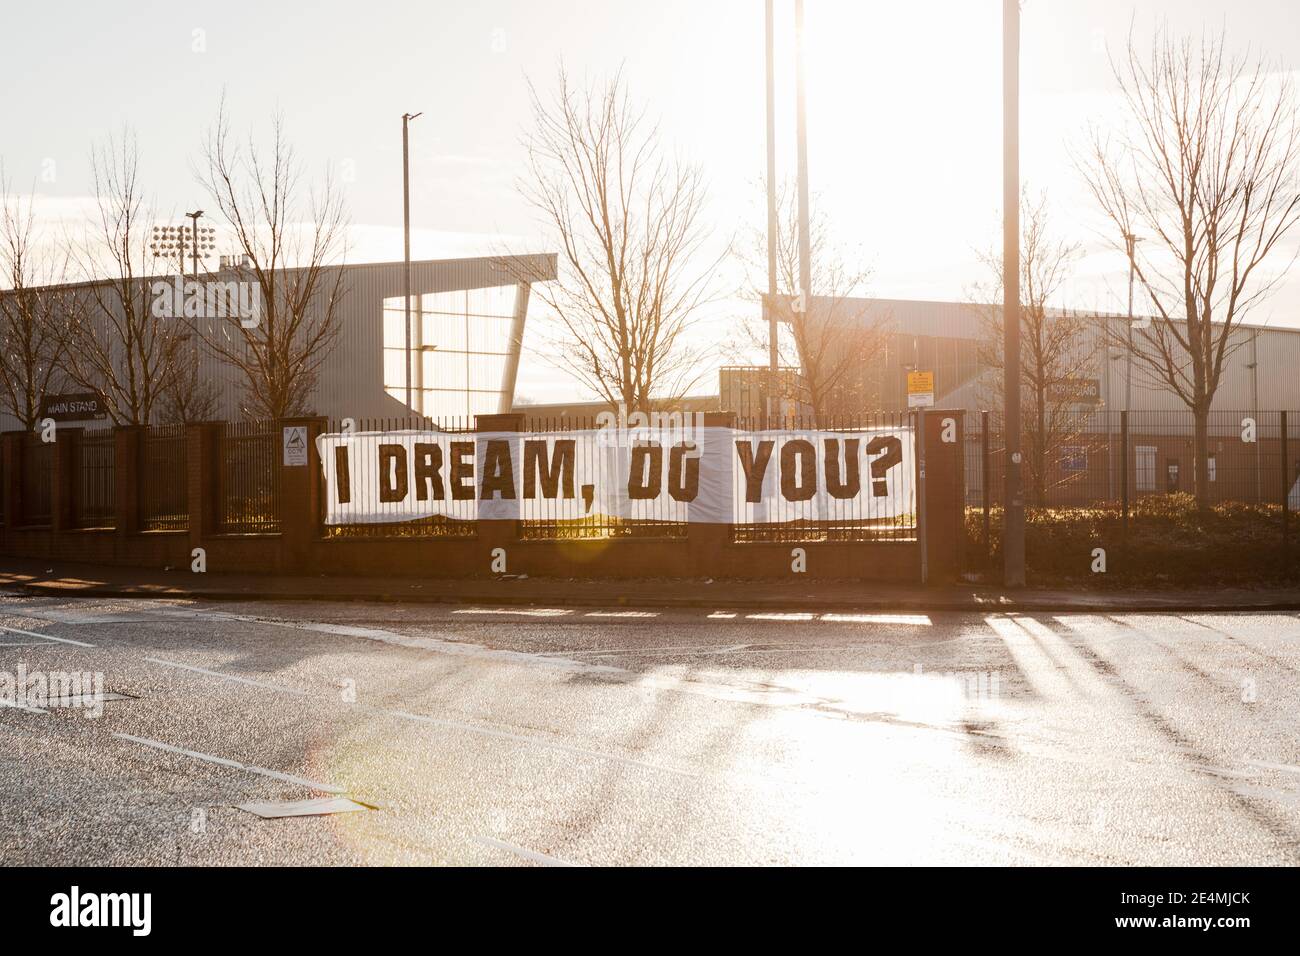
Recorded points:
627,221
31,310
1206,176
835,340
292,240
1057,346
113,341
188,396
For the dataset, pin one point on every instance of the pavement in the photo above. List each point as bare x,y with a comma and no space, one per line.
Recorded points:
71,579
490,734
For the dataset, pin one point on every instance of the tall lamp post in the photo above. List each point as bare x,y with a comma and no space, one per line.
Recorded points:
1130,244
1013,514
194,218
772,389
801,132
406,243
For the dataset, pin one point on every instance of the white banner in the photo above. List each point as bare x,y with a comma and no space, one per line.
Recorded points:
715,475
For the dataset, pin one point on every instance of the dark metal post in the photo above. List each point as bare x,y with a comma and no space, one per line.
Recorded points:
194,242
1124,469
1013,511
923,528
772,392
406,245
801,124
984,483
1286,503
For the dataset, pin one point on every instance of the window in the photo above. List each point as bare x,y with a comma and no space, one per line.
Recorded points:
1146,467
460,341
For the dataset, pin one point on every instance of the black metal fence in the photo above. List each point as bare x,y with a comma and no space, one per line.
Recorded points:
36,464
164,478
889,516
604,454
1112,459
94,504
436,526
1121,462
250,477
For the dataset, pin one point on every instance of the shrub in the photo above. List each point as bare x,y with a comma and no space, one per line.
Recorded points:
1168,543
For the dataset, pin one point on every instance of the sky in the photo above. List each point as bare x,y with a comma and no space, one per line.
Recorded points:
904,121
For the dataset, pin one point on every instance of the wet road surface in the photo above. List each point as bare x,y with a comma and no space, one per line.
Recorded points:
500,736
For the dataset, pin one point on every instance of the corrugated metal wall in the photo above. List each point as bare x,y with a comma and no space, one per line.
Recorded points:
350,382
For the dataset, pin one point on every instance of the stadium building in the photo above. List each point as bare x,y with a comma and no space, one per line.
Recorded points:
467,326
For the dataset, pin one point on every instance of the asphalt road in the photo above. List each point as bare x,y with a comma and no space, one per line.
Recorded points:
503,736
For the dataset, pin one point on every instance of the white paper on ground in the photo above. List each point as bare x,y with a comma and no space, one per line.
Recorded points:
318,806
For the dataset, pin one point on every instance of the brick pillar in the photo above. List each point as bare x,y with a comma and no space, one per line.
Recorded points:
502,530
710,542
127,441
203,480
11,451
300,496
945,488
63,472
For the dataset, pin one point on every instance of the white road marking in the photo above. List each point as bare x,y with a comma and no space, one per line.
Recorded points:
621,614
46,637
525,612
1265,765
532,855
16,706
74,617
233,764
917,619
229,677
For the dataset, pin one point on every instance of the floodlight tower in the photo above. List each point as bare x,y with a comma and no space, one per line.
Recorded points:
168,241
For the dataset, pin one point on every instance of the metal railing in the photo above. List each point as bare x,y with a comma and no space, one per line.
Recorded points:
164,478
601,460
36,464
249,477
826,517
431,527
1134,462
1110,458
605,463
94,504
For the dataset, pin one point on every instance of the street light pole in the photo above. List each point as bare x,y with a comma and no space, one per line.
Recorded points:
1013,515
406,244
771,217
1130,242
805,250
194,234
